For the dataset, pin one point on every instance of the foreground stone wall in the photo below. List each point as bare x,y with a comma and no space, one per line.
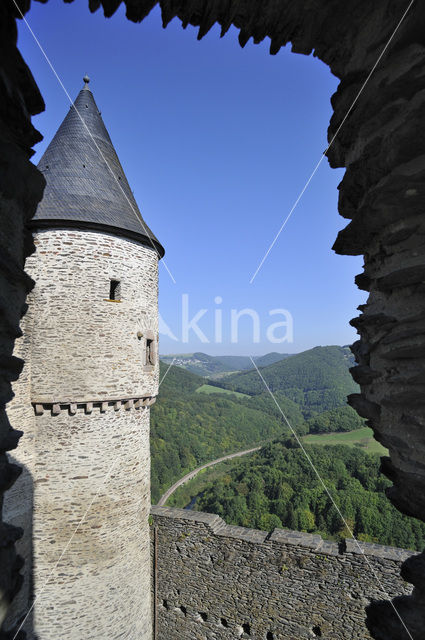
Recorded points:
214,581
18,501
21,188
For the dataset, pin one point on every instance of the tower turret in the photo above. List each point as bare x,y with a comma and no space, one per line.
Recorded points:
91,349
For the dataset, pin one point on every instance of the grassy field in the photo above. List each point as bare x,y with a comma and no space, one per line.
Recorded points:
209,388
360,437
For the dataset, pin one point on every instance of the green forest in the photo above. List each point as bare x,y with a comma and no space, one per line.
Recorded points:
189,428
277,487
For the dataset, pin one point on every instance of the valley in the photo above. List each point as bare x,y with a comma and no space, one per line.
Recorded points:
197,419
200,420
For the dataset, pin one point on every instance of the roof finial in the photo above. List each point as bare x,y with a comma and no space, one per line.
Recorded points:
86,81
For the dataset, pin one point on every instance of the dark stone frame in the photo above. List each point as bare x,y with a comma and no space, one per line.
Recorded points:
382,145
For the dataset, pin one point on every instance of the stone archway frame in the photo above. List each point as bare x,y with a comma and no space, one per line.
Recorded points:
382,146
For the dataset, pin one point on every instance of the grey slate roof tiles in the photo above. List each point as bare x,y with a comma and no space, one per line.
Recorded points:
82,189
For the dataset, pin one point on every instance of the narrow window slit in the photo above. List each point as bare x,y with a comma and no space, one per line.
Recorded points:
115,290
149,351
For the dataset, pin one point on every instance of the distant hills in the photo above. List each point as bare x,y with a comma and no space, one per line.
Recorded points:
216,366
318,378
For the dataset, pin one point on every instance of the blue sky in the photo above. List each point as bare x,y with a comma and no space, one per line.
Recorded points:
217,143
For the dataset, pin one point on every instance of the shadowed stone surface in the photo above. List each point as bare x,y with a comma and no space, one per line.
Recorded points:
21,188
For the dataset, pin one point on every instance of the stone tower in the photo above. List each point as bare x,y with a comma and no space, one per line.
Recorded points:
90,345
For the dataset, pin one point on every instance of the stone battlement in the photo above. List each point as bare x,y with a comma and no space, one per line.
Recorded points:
213,580
283,536
72,408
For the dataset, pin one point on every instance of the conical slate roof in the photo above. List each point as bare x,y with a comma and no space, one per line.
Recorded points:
86,185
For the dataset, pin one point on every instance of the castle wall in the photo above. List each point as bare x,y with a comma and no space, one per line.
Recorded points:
83,401
214,581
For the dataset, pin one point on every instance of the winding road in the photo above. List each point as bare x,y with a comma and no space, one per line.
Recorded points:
163,499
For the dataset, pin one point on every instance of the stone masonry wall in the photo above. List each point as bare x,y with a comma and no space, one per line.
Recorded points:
216,582
83,401
85,348
99,464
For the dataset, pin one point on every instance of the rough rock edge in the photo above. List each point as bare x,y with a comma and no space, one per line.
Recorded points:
315,542
21,188
383,200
